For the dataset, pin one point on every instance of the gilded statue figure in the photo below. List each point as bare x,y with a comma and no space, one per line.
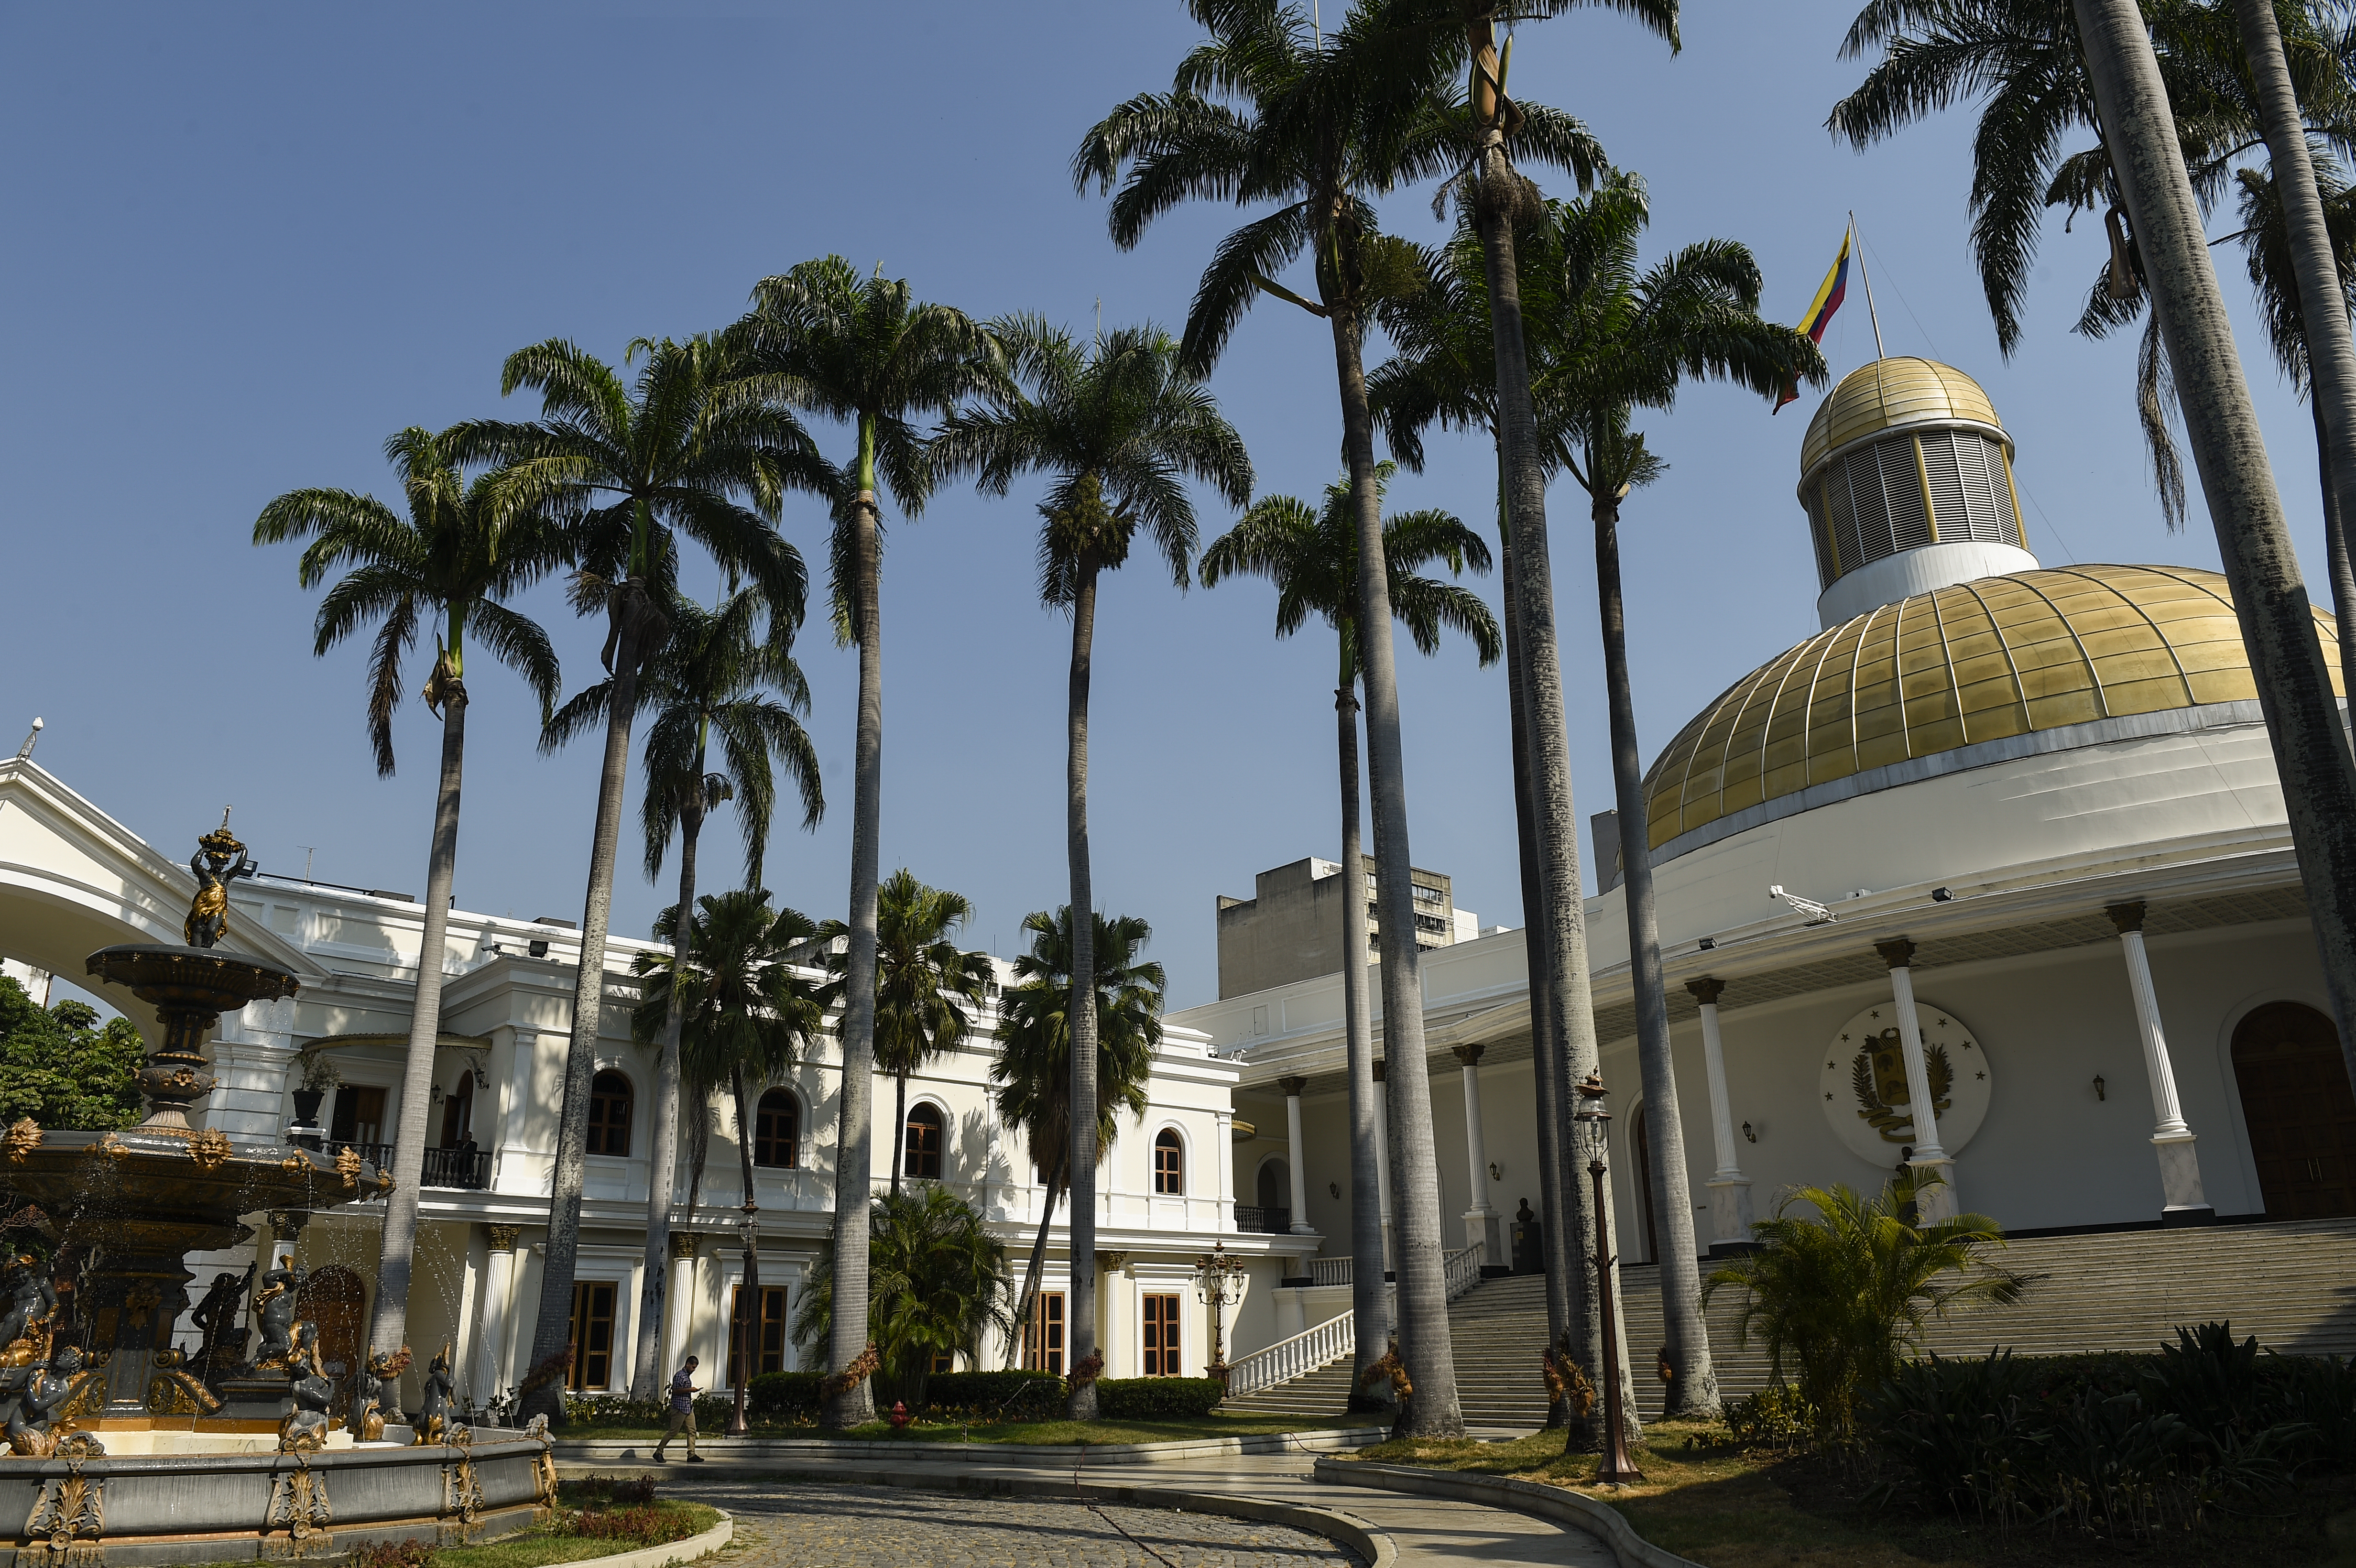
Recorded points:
36,1421
434,1416
216,1317
274,1309
219,860
32,1300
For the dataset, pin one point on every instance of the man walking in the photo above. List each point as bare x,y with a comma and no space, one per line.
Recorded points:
683,1412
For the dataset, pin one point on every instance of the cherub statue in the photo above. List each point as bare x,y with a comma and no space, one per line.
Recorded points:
433,1414
216,1314
32,1300
304,1428
366,1420
274,1309
219,860
34,1425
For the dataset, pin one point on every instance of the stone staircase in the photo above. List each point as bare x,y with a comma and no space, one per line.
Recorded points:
2292,1284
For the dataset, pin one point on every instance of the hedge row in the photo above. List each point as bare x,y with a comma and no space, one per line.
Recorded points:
1133,1399
1021,1393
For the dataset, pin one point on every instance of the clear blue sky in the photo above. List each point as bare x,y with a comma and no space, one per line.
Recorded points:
246,243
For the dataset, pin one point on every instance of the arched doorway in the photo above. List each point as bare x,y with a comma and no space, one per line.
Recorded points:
2300,1111
1642,1138
336,1301
1275,1185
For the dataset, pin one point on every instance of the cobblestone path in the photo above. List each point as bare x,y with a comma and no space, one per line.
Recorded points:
796,1524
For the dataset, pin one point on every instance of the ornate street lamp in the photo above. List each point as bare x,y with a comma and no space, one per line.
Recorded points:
1592,1123
1218,1285
749,1227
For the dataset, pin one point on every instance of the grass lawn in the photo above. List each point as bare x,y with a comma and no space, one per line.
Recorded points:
1704,1500
1170,1430
536,1549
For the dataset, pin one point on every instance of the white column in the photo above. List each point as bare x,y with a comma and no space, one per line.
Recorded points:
1729,1189
2172,1139
499,1288
1293,1088
1480,1220
1935,1202
679,1301
1382,1153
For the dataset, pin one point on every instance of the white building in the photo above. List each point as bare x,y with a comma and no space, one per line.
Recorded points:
2049,792
73,880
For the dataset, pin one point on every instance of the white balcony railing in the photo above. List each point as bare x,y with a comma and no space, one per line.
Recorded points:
1461,1271
1329,1271
1297,1356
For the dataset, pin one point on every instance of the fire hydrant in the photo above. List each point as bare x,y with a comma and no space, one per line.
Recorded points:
900,1416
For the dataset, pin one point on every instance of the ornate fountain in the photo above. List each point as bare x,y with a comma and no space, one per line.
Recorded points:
202,1448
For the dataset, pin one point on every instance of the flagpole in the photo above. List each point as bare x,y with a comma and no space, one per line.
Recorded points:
1870,314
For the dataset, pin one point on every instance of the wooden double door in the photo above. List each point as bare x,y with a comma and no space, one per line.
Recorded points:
2299,1110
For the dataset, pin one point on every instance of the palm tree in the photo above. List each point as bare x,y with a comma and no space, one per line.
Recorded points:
1269,110
1312,557
2308,252
871,354
920,977
459,552
683,451
2310,747
713,678
2266,245
1034,1069
938,1286
1620,340
751,1012
1122,425
1841,1297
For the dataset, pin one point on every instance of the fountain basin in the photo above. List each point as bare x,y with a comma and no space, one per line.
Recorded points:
129,1511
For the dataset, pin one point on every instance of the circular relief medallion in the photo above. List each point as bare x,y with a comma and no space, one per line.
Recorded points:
1862,1081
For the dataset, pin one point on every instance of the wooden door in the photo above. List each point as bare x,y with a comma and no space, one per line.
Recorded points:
336,1300
1042,1349
1161,1336
592,1335
2300,1111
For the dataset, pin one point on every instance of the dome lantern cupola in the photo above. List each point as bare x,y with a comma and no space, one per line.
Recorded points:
1906,475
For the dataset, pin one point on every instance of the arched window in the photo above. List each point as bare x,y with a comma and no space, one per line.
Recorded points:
1169,1163
777,1130
922,1155
609,1114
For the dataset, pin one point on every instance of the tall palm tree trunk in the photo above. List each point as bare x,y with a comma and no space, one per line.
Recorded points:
663,1156
1556,817
1548,1079
1693,1384
1024,1303
2335,546
2310,749
1433,1409
2322,304
1369,1302
551,1330
854,1160
389,1322
1080,1330
749,1309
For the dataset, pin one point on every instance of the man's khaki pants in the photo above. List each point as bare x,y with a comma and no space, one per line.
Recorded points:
679,1418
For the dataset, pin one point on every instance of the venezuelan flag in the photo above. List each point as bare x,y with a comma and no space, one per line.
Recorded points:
1820,313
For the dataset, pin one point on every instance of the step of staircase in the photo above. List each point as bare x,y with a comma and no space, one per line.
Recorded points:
2293,1285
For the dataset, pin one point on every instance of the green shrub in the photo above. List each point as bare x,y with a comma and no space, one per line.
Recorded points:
986,1393
1135,1398
782,1394
1774,1417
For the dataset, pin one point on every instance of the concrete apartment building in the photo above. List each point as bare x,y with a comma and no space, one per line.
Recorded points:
1291,928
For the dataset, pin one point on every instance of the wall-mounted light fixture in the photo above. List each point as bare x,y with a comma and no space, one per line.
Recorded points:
2099,1094
1943,895
1334,1187
1709,943
1748,1134
1495,1174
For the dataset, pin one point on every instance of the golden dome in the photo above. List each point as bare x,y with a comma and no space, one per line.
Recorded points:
1888,394
1978,661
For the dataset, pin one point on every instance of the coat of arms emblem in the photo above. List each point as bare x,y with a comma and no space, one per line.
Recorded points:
1878,1076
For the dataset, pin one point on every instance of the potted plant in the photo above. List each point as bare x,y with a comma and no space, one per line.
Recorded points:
318,1076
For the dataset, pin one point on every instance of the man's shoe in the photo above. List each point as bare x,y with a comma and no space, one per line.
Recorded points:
695,1458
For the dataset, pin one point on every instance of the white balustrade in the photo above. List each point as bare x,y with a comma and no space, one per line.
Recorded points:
1330,1271
1297,1356
1461,1271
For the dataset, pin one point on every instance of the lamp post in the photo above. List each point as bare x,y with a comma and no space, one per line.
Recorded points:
1592,1126
749,1227
1218,1285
